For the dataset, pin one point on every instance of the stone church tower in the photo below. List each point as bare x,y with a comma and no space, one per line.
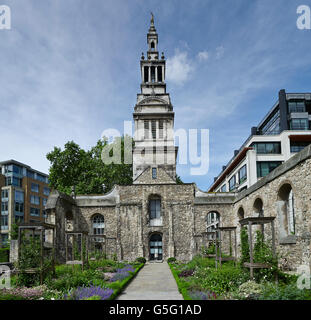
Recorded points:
153,116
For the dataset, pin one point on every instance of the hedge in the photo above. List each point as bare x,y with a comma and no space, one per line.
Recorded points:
120,286
182,287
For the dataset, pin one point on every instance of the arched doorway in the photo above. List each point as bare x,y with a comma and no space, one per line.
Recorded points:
155,247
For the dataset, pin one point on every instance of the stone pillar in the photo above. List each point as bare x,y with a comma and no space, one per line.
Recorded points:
192,241
119,244
171,246
143,74
149,74
156,73
140,247
163,75
14,251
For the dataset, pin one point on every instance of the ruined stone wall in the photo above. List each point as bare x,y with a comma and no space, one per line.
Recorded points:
201,212
294,248
177,220
85,217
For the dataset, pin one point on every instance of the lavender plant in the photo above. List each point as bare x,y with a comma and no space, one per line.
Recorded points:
82,293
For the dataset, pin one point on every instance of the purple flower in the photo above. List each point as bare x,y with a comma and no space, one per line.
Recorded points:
122,273
200,295
86,292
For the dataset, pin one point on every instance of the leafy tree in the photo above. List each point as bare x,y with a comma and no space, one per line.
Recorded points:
85,170
14,231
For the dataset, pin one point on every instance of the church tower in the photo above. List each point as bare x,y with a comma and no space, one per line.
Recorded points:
153,116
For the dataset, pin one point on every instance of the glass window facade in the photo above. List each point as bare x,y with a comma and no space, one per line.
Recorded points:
30,174
35,212
5,194
299,124
35,200
243,174
4,207
34,187
4,222
267,147
46,191
265,167
41,178
298,146
232,183
272,126
223,188
296,106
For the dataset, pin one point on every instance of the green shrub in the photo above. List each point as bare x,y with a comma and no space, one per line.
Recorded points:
4,254
274,291
264,254
222,280
250,290
141,260
171,260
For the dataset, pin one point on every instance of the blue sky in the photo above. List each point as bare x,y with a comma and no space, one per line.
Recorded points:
70,69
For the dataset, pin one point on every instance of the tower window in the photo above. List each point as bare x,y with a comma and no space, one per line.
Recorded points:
146,74
146,126
153,129
152,74
161,129
152,45
160,74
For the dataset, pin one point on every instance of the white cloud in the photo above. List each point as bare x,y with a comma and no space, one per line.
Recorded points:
179,67
203,55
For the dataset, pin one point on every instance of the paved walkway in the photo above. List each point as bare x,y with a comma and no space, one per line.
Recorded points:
153,282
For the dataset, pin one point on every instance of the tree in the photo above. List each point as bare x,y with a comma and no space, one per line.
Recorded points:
85,170
178,179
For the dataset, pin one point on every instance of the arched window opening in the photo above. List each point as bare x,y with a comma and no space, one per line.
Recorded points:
146,74
212,222
153,74
155,215
152,45
69,221
287,206
241,213
160,78
98,224
258,207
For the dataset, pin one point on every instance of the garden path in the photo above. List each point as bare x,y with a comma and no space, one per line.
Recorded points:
153,282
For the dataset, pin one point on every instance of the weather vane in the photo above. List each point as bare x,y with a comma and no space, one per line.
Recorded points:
152,18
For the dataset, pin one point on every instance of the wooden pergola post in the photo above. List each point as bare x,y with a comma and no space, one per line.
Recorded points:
257,221
251,248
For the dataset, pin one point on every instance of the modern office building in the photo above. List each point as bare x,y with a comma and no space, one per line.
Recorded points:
24,192
283,132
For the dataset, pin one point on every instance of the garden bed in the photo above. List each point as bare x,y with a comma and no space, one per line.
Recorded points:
200,280
102,280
